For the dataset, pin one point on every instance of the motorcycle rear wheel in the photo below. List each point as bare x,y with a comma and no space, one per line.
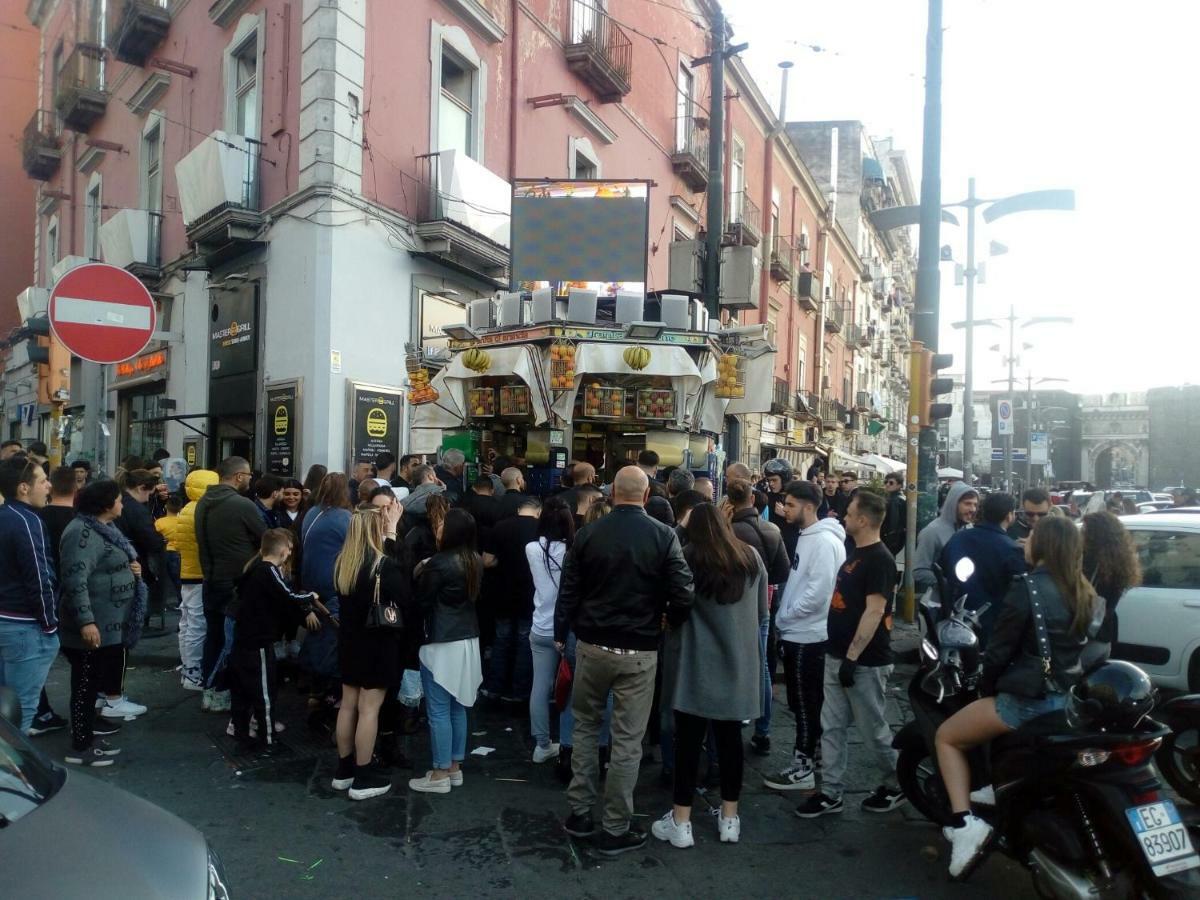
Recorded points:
922,785
1179,761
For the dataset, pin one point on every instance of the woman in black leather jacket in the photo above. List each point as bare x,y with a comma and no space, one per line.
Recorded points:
451,670
1015,684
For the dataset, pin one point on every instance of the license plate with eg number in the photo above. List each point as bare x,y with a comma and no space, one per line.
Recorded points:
1163,837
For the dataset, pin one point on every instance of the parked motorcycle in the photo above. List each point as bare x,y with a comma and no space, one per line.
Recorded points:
1179,756
1077,800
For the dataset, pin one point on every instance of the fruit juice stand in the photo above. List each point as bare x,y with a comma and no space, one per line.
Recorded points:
589,391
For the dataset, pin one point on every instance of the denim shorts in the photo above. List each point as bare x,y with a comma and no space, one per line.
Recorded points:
1015,711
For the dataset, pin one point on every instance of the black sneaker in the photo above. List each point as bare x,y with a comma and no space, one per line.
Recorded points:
93,757
103,727
369,782
616,844
579,825
343,775
885,799
760,744
46,723
819,805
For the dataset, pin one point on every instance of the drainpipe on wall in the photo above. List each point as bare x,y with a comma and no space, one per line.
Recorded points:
514,83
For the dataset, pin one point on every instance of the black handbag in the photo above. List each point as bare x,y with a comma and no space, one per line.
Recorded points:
382,613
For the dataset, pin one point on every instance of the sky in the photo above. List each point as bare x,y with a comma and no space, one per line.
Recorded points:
1080,94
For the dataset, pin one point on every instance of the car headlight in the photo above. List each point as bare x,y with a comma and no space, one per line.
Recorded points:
218,888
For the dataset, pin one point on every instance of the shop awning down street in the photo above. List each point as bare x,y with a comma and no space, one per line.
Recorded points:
608,359
885,465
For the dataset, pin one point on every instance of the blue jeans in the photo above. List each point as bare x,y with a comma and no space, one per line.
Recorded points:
763,724
545,668
511,669
1015,711
447,723
26,654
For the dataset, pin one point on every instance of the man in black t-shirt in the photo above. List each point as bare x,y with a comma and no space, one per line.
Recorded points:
858,663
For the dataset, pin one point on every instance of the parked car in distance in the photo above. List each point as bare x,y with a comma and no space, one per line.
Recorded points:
1158,622
1154,506
84,832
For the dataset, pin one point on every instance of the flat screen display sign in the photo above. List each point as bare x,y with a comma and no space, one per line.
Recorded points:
582,234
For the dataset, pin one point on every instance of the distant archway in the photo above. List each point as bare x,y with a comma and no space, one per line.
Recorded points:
1116,464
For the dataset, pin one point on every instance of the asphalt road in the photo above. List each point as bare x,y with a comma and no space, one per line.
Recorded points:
283,832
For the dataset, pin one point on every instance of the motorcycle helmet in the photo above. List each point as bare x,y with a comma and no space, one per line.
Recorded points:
779,467
1115,696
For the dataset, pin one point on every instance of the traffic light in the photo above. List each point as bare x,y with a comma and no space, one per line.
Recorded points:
932,387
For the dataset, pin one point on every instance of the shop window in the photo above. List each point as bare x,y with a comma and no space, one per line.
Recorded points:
144,435
51,247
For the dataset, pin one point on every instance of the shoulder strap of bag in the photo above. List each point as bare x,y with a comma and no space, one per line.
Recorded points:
1039,625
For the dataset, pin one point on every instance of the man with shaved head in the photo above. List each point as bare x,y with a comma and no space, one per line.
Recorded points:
623,573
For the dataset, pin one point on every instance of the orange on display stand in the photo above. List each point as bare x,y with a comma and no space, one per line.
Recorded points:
604,402
514,400
481,403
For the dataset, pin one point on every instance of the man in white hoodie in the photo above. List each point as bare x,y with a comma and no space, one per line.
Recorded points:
803,611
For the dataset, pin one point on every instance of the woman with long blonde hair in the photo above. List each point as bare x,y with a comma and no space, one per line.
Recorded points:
368,657
1018,683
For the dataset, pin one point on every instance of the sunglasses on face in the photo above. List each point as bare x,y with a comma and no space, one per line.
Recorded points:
848,481
1036,515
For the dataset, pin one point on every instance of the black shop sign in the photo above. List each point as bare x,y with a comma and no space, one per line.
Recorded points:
283,428
376,412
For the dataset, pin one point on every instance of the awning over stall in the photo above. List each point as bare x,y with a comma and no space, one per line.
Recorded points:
885,465
522,361
608,359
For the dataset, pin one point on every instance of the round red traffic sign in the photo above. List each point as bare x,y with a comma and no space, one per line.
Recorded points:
102,313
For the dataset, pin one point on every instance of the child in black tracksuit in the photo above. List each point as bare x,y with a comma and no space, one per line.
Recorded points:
265,605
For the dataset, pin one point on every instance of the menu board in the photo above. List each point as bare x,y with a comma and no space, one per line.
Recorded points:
481,403
283,429
514,400
655,403
376,413
604,402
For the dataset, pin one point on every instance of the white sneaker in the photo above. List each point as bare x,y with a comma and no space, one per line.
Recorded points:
799,776
967,845
427,784
541,754
985,796
678,833
190,685
456,779
219,702
730,830
121,708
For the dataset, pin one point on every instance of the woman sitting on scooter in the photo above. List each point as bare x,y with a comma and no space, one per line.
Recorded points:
1015,686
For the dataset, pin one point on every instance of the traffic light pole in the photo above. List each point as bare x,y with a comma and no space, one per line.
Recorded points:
916,402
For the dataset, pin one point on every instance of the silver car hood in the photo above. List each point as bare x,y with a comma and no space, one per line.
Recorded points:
93,840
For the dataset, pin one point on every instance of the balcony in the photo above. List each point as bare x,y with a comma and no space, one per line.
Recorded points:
858,336
219,196
598,51
782,257
835,315
877,350
132,240
81,97
782,401
41,149
744,228
833,414
808,290
471,237
690,159
136,28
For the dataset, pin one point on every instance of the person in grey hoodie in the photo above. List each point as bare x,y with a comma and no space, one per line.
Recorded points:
425,485
803,611
957,512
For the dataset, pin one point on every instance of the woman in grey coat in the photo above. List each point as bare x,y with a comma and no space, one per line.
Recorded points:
100,608
714,669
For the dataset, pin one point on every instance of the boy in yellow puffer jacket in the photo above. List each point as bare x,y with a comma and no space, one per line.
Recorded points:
191,604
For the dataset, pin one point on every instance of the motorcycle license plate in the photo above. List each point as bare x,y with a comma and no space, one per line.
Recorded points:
1163,837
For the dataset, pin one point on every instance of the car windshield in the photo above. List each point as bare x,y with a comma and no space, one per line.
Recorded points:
26,779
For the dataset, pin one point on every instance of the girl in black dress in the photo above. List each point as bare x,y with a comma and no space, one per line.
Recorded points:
369,658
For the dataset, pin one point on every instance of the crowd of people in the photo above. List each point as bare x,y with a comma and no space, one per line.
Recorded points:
649,609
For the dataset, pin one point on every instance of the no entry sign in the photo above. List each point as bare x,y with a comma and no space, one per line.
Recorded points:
102,313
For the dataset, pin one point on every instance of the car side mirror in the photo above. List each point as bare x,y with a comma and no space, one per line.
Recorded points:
10,706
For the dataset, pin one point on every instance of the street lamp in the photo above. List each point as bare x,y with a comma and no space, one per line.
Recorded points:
1011,359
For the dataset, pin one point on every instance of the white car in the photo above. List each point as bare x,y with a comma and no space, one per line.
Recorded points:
1158,622
1154,506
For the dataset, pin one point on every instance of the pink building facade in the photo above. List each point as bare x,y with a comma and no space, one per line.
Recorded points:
306,186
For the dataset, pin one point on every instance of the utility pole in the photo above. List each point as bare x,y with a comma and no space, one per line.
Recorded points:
968,461
1008,438
716,169
921,490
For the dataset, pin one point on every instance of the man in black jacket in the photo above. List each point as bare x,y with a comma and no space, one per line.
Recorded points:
228,532
767,541
623,573
895,520
510,674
